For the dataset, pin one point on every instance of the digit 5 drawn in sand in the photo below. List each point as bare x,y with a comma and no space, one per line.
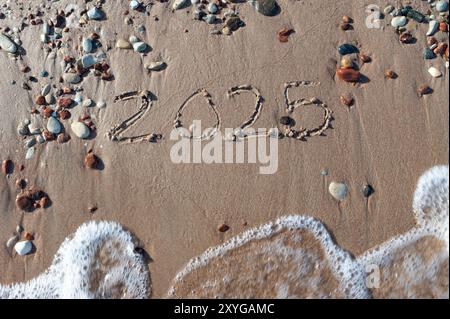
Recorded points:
304,133
116,132
204,136
241,132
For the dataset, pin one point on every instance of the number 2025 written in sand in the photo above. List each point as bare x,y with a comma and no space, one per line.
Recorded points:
245,130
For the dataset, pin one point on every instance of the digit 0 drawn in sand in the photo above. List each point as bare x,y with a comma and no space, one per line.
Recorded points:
206,135
304,133
116,132
241,132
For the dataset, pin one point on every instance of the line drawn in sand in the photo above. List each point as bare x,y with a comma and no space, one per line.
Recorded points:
116,132
292,105
206,135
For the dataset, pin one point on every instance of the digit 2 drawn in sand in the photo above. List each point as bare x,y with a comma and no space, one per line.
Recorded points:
116,132
241,131
304,133
178,124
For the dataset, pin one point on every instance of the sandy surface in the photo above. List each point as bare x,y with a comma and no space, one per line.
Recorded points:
388,139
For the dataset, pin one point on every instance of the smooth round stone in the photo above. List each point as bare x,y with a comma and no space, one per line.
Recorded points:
428,54
95,14
388,9
265,7
398,22
433,27
88,45
133,39
134,5
87,103
7,45
80,130
22,129
88,60
180,4
30,153
368,191
101,104
34,129
72,78
346,49
442,6
210,18
54,126
338,190
46,90
46,29
123,44
155,66
23,247
140,47
30,142
212,8
434,72
49,99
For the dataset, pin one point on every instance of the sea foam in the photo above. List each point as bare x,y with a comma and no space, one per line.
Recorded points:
98,261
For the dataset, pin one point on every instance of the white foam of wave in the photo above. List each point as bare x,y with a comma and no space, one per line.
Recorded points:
347,271
98,261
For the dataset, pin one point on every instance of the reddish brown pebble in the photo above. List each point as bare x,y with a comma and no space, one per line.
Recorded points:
424,90
441,49
47,112
21,183
346,19
432,41
40,100
65,102
406,38
283,34
345,26
7,167
29,236
67,90
365,58
347,99
223,228
91,161
92,209
63,138
443,27
48,136
24,202
64,115
391,74
349,75
44,202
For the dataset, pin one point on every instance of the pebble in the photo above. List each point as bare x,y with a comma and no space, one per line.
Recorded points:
50,99
30,142
40,100
434,72
338,190
390,74
156,66
95,14
30,153
140,47
7,167
223,228
442,6
233,23
398,22
428,54
265,7
7,44
22,129
347,99
46,90
368,191
24,202
346,49
34,129
286,120
365,58
388,9
180,4
406,38
87,103
88,61
433,28
424,89
210,18
123,44
212,8
81,130
101,104
349,75
346,63
23,247
91,161
88,45
12,242
134,5
72,78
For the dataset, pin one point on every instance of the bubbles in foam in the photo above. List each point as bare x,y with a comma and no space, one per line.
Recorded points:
98,261
293,257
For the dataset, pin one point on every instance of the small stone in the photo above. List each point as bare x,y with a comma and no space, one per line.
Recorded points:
22,129
64,115
286,120
49,99
40,100
388,9
443,27
30,142
433,27
54,126
123,44
12,242
21,183
88,45
23,247
24,202
349,75
233,23
347,19
34,129
63,138
428,54
212,8
346,63
338,190
156,66
140,47
390,74
180,4
398,22
72,78
434,72
7,44
346,49
223,228
30,153
80,130
88,61
406,38
265,7
210,18
134,5
87,103
368,191
442,6
283,34
29,236
65,102
46,90
101,104
424,89
95,14
91,161
7,167
44,202
347,99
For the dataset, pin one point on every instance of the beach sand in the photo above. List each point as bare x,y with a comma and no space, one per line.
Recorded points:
387,139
